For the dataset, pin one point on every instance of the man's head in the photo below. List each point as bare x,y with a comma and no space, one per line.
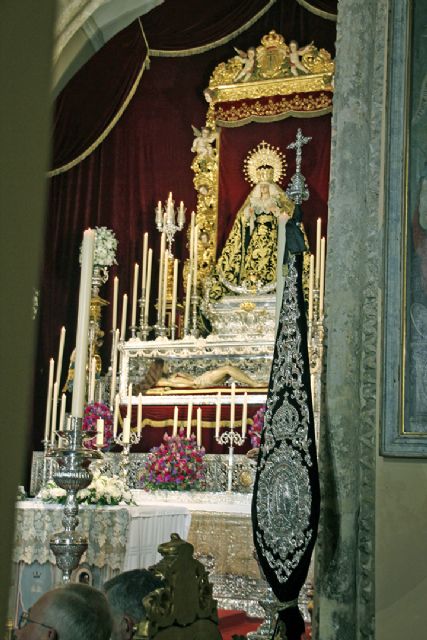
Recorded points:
69,612
125,593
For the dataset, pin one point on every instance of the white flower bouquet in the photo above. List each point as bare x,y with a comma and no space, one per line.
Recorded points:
104,490
105,248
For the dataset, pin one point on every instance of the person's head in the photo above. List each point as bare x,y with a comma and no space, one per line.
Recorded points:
125,594
293,45
264,190
66,613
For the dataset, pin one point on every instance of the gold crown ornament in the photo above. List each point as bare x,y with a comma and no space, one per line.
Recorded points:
265,163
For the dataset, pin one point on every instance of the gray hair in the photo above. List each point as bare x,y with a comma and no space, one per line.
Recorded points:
126,591
79,611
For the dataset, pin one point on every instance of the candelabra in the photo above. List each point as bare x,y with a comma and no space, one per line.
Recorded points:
72,475
231,438
195,306
144,327
170,220
134,438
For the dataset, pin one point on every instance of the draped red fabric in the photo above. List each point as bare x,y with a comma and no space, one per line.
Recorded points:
146,155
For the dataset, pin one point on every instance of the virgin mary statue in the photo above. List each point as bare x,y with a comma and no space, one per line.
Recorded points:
248,260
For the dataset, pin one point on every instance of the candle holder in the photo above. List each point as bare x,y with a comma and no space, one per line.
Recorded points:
160,330
47,472
231,438
195,305
170,220
133,328
174,330
72,475
134,438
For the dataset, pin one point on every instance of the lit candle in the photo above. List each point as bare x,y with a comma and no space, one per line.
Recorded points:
124,316
187,303
60,357
322,277
318,234
148,286
144,263
91,393
199,427
218,415
82,331
100,432
181,215
49,399
174,291
310,289
189,416
62,412
195,256
116,338
244,415
116,415
232,404
165,285
115,300
126,430
160,289
139,415
175,422
134,294
54,412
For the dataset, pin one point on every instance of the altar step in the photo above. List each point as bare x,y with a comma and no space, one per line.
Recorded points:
237,623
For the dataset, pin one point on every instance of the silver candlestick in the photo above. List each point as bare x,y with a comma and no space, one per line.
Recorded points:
134,438
195,305
231,438
72,475
170,220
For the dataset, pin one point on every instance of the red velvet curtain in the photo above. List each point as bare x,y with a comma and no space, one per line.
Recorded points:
146,155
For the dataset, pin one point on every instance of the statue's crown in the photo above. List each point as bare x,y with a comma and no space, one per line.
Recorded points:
265,174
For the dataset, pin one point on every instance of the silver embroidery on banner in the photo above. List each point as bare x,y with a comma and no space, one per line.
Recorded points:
283,502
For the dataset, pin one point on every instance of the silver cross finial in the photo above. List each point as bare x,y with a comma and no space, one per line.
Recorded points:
297,189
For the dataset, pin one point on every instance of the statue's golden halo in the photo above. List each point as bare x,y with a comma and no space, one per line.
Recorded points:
265,162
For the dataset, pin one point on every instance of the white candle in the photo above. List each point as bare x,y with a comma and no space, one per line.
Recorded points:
187,303
126,430
322,277
195,255
160,289
124,316
54,412
159,213
174,291
244,415
116,338
181,215
165,285
83,324
189,416
175,422
115,300
139,415
318,234
135,293
100,392
116,415
100,432
129,402
218,415
232,404
49,399
144,263
91,393
148,286
310,289
191,247
199,427
62,412
60,357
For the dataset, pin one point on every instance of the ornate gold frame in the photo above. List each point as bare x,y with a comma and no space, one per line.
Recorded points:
305,94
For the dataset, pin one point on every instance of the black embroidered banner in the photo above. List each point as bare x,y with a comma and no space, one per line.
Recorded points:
286,501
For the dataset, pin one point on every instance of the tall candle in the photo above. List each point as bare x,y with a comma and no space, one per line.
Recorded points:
310,288
187,303
189,416
62,412
244,415
232,404
54,413
116,338
100,432
175,421
129,402
322,277
139,415
160,289
318,234
165,285
49,399
134,293
124,316
100,392
126,430
60,357
218,414
174,291
148,286
91,393
199,427
195,255
82,331
115,300
144,263
159,219
116,415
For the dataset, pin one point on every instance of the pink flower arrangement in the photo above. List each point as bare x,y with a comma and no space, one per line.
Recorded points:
257,426
177,464
92,412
